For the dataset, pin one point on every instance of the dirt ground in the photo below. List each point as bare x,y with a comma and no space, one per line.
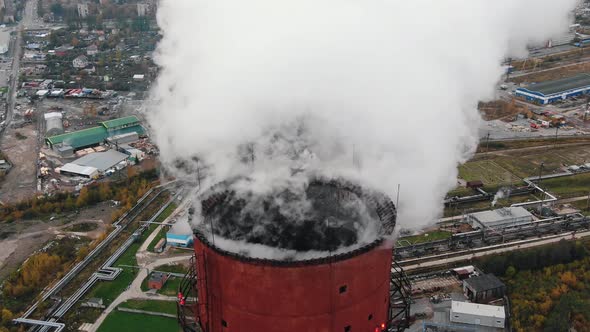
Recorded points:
18,240
500,109
553,74
21,181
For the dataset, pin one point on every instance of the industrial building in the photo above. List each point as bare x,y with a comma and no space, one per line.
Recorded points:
551,91
348,291
4,41
179,240
53,124
96,135
103,161
500,218
484,288
478,314
77,170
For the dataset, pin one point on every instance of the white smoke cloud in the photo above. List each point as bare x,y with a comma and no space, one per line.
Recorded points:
397,82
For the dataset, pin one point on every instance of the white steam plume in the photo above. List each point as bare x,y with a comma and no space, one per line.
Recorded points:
396,81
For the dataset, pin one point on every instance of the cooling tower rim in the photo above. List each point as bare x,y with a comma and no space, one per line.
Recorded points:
290,263
377,199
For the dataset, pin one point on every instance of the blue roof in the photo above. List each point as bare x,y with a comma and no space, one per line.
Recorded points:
184,237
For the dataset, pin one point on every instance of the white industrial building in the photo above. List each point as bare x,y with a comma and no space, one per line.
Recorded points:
53,124
500,218
103,161
77,170
4,41
478,314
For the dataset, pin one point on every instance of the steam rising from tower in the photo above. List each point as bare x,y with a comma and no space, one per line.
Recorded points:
384,92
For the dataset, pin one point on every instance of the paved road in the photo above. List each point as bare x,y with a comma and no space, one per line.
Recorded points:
16,58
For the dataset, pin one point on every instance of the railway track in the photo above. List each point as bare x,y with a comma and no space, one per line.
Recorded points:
121,224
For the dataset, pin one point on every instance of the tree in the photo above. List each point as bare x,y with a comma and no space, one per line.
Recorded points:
510,272
82,198
6,316
70,203
104,191
82,252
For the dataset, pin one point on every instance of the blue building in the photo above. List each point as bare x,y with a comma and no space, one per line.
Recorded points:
179,240
552,91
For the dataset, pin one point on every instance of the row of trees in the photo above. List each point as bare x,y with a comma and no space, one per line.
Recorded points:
126,191
546,286
554,298
533,259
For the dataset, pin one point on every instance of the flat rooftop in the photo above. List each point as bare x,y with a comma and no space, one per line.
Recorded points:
561,85
484,282
478,309
508,213
101,160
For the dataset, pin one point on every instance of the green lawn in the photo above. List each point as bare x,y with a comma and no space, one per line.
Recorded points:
118,321
162,233
569,186
109,290
171,286
174,268
426,237
583,206
488,171
167,307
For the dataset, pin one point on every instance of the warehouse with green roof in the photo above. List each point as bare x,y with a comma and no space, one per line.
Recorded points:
94,136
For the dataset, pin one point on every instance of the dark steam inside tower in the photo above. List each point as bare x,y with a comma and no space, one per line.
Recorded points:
324,216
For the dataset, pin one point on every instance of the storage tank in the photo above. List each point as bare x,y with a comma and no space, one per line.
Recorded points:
53,124
326,269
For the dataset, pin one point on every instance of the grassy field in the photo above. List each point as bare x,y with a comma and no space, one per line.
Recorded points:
426,237
167,307
583,206
519,144
162,233
488,171
486,205
171,286
174,268
118,321
109,290
570,186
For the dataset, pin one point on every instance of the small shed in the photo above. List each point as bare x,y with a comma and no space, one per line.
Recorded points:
157,280
160,246
484,288
463,272
474,184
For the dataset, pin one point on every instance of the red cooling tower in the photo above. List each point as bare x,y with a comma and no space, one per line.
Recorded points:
346,292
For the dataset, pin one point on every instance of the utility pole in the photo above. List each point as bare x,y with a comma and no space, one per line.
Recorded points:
556,131
488,142
541,189
587,107
397,200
